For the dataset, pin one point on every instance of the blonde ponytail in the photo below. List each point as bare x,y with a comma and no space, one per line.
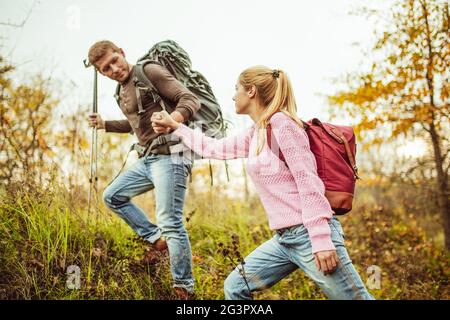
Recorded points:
274,89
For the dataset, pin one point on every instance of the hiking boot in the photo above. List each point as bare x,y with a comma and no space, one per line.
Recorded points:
155,252
183,294
160,244
152,257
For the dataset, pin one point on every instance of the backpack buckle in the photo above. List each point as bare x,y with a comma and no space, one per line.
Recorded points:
355,169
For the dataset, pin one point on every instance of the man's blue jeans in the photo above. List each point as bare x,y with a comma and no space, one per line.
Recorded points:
167,174
283,254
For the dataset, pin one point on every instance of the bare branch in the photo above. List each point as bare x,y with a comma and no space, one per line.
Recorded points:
19,25
424,127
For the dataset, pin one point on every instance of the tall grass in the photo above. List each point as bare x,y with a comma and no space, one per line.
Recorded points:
44,232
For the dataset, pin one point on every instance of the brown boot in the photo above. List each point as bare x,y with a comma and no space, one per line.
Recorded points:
183,294
154,253
160,244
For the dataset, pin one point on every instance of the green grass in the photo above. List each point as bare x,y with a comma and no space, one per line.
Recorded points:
43,233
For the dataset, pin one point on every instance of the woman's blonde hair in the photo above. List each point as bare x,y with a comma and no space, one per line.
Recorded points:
274,90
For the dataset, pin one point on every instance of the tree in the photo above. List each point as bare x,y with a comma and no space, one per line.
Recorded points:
406,91
25,116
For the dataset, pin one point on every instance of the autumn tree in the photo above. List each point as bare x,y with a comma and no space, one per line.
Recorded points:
405,92
25,117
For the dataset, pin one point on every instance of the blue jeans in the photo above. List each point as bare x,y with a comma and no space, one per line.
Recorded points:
167,174
283,254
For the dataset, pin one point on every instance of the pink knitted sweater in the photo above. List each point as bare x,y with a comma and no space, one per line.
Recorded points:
292,194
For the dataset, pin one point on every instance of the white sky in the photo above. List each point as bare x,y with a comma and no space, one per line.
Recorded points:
310,40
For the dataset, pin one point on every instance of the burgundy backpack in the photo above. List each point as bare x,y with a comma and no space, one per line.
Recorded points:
334,148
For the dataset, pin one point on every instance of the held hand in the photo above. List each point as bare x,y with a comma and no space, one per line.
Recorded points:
95,120
159,129
327,261
162,122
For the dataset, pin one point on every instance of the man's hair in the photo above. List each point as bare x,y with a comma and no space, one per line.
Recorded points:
99,49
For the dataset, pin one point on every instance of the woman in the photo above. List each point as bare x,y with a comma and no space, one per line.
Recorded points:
307,235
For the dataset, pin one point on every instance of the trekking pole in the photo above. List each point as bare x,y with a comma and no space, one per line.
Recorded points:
93,156
95,109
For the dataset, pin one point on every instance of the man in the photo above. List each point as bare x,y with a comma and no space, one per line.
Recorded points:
157,170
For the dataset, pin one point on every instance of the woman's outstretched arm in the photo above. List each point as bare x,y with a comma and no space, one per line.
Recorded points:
232,147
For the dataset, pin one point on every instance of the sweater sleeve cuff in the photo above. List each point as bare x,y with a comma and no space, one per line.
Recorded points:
185,112
107,126
182,131
320,235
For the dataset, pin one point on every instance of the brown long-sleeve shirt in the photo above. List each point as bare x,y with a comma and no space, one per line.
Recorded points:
175,95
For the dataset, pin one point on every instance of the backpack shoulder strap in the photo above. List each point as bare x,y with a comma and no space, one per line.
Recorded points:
142,79
117,94
141,76
142,82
